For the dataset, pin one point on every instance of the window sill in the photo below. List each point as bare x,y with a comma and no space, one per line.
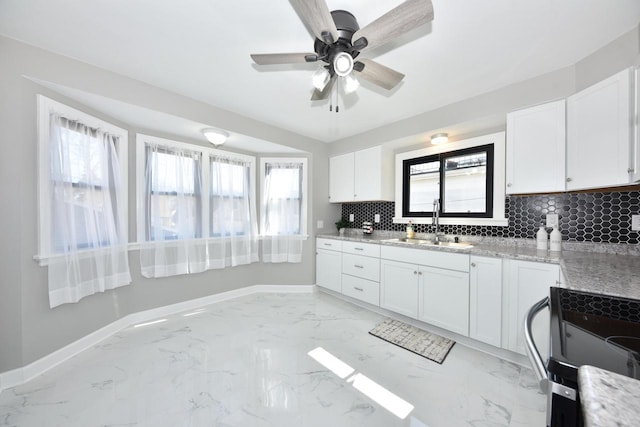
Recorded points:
499,222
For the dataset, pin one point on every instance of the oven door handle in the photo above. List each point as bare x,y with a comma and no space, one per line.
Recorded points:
532,351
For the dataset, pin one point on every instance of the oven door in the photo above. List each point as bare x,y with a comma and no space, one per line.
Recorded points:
563,407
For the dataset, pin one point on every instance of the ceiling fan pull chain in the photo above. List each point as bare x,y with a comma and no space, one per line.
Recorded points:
337,98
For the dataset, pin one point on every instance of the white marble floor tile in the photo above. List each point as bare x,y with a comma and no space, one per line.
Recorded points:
245,362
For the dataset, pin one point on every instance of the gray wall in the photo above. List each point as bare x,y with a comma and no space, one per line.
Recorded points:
29,329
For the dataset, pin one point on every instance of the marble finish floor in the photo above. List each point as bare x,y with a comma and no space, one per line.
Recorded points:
246,362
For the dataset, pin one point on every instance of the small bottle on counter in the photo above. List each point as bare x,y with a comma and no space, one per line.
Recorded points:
556,240
410,232
541,238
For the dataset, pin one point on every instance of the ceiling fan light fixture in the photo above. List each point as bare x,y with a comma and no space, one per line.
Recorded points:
351,84
320,78
343,64
439,138
215,136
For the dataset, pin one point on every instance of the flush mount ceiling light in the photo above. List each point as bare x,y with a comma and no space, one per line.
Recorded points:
215,136
439,138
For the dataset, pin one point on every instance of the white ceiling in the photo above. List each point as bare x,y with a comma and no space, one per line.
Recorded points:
200,49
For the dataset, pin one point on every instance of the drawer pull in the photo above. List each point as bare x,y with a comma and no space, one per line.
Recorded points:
415,272
327,244
359,249
358,289
358,266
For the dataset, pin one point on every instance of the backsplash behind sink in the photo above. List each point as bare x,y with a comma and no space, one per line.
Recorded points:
584,217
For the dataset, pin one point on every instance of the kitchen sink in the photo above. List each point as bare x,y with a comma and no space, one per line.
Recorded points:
455,245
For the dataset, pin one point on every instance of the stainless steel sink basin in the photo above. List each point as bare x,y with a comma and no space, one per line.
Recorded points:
453,245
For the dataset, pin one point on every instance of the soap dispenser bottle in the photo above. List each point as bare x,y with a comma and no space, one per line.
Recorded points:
410,232
556,240
541,238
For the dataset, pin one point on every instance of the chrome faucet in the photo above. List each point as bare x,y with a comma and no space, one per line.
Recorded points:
436,219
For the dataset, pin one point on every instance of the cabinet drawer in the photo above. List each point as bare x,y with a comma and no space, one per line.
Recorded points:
357,248
361,266
362,289
439,259
329,244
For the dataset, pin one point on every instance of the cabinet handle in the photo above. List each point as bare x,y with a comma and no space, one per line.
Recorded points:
415,272
358,266
569,180
509,185
359,249
419,273
358,289
631,170
557,282
473,264
328,244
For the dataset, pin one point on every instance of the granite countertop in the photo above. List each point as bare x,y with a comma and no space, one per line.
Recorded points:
608,399
600,268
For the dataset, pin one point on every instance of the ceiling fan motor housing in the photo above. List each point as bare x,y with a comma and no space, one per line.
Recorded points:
347,25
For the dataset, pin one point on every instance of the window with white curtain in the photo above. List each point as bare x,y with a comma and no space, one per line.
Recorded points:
82,202
196,208
283,215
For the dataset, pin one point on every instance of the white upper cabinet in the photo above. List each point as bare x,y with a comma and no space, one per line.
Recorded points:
599,124
341,176
536,149
635,161
366,175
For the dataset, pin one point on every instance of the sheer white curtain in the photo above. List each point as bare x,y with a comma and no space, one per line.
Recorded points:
283,210
172,211
233,226
87,230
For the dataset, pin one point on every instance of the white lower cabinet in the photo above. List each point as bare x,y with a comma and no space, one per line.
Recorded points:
399,287
329,264
443,299
527,283
485,300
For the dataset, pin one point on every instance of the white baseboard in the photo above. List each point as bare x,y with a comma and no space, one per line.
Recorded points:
26,373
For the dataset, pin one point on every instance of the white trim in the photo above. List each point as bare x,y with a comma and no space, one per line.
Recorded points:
305,190
47,106
498,141
19,376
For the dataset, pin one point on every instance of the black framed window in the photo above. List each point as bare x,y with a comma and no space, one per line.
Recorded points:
461,180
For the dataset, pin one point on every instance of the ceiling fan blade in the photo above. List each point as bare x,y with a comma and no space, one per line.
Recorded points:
282,58
379,75
404,18
316,15
324,93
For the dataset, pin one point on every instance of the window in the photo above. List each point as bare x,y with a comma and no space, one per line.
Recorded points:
461,181
284,208
173,201
196,208
230,198
466,177
82,202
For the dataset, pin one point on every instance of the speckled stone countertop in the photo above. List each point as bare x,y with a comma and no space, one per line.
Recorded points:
600,268
608,399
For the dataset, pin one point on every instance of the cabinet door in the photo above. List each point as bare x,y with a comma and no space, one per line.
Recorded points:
485,300
329,269
443,299
399,287
536,147
598,134
341,175
368,174
528,283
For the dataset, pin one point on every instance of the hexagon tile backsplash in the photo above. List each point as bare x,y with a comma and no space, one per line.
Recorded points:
584,217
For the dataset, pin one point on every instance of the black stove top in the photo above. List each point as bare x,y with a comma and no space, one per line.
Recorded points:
593,329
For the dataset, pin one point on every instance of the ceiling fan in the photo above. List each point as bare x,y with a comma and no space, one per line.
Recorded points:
340,40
